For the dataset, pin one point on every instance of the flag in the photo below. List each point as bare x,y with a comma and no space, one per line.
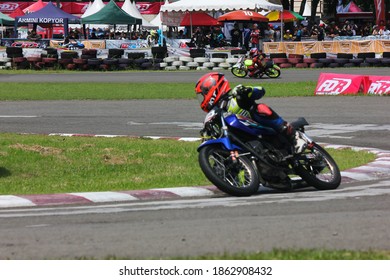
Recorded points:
380,11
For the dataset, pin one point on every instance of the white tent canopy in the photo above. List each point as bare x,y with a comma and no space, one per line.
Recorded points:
307,11
156,21
95,7
218,5
130,8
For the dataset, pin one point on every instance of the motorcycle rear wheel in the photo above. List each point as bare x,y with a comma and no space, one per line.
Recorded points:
239,72
272,73
235,177
319,169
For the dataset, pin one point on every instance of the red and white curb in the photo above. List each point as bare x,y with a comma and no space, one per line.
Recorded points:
8,201
379,168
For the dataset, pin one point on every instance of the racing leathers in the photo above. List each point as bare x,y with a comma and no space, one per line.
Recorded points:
244,103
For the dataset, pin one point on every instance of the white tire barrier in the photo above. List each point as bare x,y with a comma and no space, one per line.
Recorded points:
232,60
163,64
193,64
224,65
177,63
209,64
170,68
201,59
217,60
171,59
186,59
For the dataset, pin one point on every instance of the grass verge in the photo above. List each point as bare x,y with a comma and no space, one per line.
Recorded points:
303,254
122,91
38,164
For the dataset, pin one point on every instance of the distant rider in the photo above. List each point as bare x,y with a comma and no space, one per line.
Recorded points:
258,62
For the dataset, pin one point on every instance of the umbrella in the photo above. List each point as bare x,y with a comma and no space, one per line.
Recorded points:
240,15
198,19
287,16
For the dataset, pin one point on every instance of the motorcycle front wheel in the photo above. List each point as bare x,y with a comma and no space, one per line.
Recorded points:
318,169
239,72
234,176
272,73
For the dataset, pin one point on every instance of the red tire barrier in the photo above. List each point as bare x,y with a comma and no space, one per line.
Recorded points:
279,60
285,65
302,65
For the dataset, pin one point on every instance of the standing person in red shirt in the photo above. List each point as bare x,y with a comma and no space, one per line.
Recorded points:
255,37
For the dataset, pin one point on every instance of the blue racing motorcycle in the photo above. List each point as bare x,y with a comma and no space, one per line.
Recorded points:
238,155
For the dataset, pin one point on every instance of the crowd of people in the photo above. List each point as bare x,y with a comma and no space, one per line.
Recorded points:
251,35
240,35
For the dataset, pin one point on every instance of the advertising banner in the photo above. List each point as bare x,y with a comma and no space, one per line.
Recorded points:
346,46
380,12
78,8
378,85
335,84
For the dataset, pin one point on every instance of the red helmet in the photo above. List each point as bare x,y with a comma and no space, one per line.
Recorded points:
254,52
210,88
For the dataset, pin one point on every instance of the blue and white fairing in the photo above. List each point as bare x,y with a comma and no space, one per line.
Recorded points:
242,123
248,125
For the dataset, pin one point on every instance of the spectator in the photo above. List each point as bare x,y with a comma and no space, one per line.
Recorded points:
221,40
277,34
269,34
236,34
321,32
180,34
382,25
152,38
255,37
376,31
33,36
386,31
198,38
247,35
287,36
366,30
298,34
347,29
334,31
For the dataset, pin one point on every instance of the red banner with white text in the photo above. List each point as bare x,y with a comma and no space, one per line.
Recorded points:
78,8
335,84
380,12
378,85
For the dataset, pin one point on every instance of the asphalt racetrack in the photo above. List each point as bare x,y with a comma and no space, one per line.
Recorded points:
353,217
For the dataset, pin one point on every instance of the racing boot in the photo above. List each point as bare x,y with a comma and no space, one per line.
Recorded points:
294,138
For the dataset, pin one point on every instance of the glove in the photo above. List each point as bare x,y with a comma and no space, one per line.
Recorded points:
239,90
236,90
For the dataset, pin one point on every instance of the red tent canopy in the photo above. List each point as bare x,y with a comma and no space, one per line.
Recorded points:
17,13
198,19
34,7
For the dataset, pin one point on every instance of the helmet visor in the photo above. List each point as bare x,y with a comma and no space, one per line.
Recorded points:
200,97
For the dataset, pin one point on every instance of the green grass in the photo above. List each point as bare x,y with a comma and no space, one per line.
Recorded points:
287,254
122,91
302,254
38,164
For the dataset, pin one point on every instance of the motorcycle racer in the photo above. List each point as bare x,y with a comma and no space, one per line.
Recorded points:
258,62
212,86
